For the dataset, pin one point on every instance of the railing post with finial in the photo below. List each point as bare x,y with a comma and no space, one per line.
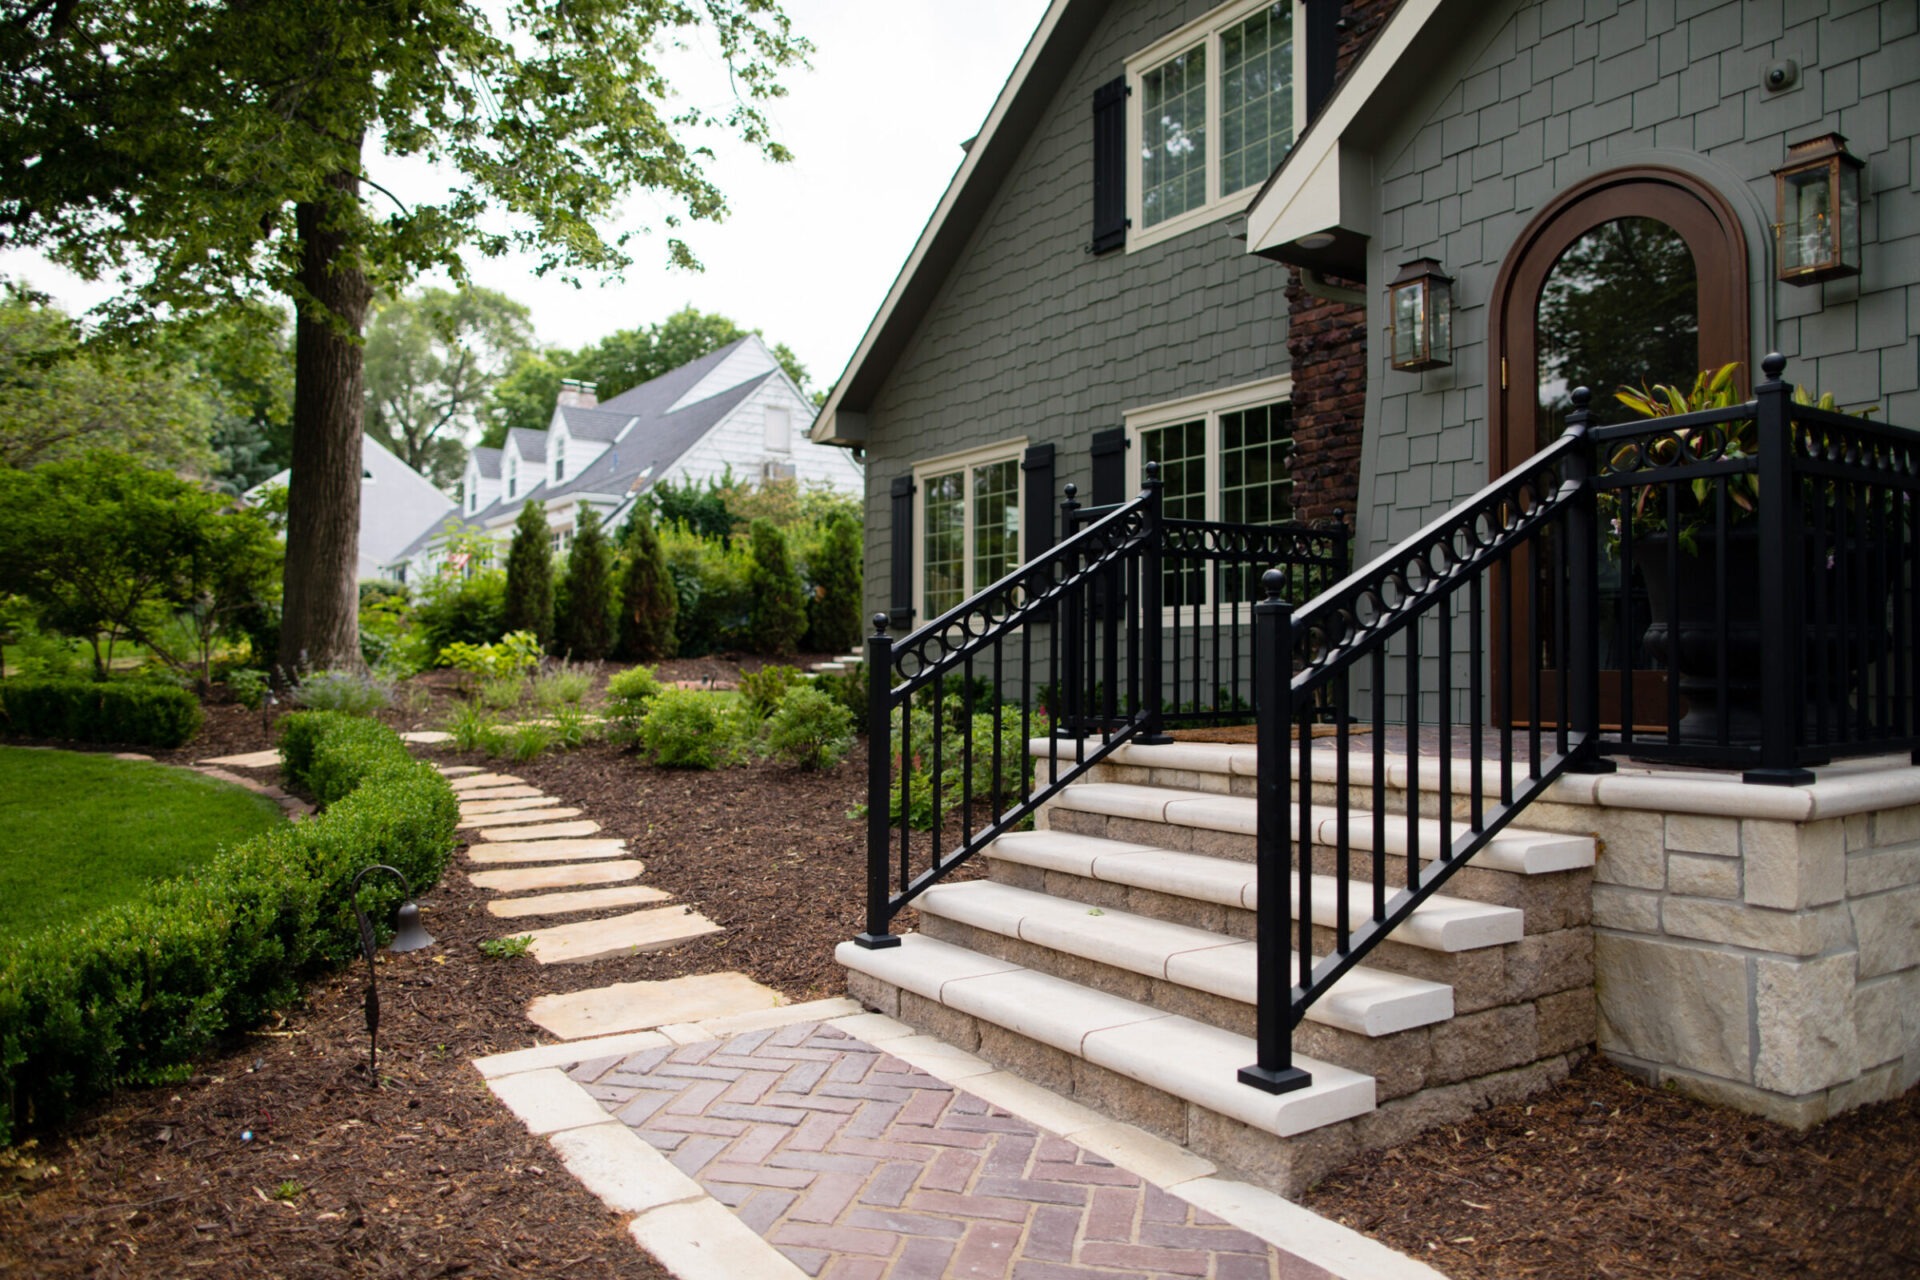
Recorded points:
1273,843
1069,680
1154,533
1583,589
879,784
1780,549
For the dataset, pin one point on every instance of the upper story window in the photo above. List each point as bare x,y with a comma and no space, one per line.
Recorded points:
969,517
559,458
779,431
1211,112
513,475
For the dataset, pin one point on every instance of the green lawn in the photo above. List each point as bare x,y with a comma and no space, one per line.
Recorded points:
80,832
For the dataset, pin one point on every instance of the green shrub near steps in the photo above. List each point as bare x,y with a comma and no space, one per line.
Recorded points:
684,729
136,993
134,712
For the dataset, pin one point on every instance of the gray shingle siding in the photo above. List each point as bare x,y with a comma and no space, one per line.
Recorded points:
1031,336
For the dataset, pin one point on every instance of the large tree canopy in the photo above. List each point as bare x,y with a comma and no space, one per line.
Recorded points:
618,362
431,360
200,152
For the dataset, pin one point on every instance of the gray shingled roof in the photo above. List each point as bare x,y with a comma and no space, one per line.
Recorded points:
488,461
533,444
593,424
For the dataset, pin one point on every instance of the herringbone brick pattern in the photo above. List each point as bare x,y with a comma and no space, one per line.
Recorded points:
857,1166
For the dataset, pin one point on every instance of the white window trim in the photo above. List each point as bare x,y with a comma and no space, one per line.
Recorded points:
1011,450
1217,206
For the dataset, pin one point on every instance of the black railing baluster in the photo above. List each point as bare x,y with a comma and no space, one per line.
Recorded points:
1150,605
1722,649
1343,837
1509,568
1444,695
1378,679
1413,754
1562,680
1628,642
939,780
1476,618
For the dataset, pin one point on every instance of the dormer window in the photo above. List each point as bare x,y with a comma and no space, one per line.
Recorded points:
473,496
513,475
559,459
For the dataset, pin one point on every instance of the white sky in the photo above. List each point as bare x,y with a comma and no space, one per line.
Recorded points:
810,247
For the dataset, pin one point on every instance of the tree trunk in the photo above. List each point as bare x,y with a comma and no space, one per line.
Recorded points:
320,624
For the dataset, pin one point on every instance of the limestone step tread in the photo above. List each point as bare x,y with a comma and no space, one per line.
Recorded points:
478,821
1515,849
560,904
565,875
427,737
641,1006
509,805
248,760
480,795
1164,1051
458,770
1441,923
548,831
1365,1001
472,780
546,850
629,934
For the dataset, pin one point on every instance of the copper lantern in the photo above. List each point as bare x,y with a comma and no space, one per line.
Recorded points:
1817,211
1420,315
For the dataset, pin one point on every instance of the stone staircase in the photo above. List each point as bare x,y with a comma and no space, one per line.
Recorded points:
1108,956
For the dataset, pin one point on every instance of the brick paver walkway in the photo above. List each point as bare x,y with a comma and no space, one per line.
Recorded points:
857,1166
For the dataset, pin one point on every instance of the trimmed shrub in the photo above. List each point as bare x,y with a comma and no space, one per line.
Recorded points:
849,689
649,604
778,608
529,599
453,610
629,694
134,712
137,992
762,690
684,729
809,730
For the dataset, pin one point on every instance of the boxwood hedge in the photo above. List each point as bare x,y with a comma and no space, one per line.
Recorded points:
135,993
137,712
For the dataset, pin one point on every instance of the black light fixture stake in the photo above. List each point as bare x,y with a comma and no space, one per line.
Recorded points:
409,935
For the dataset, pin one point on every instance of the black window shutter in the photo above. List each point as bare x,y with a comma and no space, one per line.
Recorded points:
1323,56
900,615
1109,166
1038,464
1109,467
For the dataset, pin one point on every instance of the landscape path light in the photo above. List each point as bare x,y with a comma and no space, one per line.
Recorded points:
409,935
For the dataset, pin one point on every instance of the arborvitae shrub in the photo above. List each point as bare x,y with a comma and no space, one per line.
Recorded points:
778,607
648,604
132,712
529,602
833,614
584,627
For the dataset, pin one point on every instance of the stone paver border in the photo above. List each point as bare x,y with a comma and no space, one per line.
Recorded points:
631,1177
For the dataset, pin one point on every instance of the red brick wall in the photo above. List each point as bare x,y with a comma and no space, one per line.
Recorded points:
1327,343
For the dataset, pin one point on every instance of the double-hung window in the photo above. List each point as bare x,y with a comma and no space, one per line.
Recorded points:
1211,112
1223,459
968,525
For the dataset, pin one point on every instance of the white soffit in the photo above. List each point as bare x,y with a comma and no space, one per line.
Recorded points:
1324,185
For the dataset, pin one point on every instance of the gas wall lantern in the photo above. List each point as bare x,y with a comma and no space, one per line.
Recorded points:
1420,317
1817,206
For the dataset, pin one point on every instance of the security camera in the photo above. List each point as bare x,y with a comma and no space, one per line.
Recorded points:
1780,75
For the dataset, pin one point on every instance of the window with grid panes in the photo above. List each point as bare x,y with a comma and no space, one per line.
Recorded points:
969,530
1214,113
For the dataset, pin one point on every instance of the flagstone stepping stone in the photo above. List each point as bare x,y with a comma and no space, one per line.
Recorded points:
559,904
564,876
546,850
508,805
504,819
473,780
630,934
427,737
248,760
458,770
521,792
639,1006
550,831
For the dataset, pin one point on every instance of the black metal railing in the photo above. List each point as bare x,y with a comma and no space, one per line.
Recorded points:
1760,610
1407,633
1081,647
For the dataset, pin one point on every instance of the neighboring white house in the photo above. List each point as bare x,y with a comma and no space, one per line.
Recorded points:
397,505
732,408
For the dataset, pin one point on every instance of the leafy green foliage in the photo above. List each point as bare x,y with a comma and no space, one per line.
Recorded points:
129,712
762,690
249,687
141,990
833,610
527,741
451,609
432,360
507,948
502,693
710,590
241,358
649,605
913,762
779,611
629,694
685,729
529,599
701,507
562,686
809,730
849,689
352,693
471,725
511,657
585,625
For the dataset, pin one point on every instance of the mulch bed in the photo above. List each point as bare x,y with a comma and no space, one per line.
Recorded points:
427,1176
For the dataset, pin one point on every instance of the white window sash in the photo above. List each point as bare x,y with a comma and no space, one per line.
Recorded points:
965,463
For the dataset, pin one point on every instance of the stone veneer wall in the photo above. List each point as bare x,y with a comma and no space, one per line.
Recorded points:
1754,946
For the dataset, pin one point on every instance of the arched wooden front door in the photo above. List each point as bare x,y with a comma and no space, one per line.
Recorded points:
1634,276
